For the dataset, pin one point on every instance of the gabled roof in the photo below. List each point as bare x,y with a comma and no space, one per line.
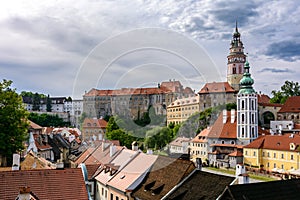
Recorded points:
276,142
133,173
67,184
201,185
236,154
118,161
292,105
202,136
272,190
224,130
216,87
163,176
32,161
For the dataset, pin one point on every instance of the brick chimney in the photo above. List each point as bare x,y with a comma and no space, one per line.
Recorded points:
224,116
232,116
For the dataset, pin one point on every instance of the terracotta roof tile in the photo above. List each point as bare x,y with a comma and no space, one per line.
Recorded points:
221,130
201,137
236,154
263,98
276,142
216,87
94,123
291,105
67,184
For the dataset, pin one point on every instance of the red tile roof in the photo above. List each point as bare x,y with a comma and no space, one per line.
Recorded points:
276,142
201,137
292,105
67,184
221,130
263,98
94,123
216,87
236,154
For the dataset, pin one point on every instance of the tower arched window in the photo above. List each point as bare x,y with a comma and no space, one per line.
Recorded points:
233,70
243,132
243,118
243,105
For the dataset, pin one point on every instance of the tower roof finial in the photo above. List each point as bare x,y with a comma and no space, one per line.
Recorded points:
236,28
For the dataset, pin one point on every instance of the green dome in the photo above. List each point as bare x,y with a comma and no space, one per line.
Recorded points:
246,82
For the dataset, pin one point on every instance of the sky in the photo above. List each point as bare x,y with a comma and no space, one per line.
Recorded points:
64,48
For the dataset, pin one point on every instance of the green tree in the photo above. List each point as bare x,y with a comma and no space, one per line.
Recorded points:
13,122
48,104
288,89
111,124
36,102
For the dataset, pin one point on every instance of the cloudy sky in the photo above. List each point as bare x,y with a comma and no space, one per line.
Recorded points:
64,48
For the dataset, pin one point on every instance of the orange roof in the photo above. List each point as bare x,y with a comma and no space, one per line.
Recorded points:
201,137
263,98
94,123
236,154
292,105
220,130
65,184
216,87
275,142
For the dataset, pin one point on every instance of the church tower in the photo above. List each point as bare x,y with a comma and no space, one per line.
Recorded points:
247,109
235,60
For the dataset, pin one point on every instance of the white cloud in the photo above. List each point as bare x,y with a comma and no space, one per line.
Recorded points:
51,39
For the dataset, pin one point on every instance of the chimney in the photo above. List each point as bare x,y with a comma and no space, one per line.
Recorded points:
224,116
149,151
24,193
16,162
134,146
112,150
232,112
290,126
199,163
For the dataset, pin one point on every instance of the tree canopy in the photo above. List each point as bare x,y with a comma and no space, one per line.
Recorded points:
288,89
13,122
47,120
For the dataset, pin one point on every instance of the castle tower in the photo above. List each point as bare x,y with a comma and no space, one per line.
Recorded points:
247,109
235,60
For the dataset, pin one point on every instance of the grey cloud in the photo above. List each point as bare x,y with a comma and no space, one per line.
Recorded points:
284,50
274,70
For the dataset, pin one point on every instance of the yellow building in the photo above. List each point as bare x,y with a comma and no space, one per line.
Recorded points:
181,109
274,152
199,146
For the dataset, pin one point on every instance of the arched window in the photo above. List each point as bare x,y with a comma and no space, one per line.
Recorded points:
243,105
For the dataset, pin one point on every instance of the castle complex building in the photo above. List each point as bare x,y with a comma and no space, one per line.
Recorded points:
133,102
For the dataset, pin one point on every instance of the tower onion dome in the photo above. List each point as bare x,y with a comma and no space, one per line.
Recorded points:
246,82
236,34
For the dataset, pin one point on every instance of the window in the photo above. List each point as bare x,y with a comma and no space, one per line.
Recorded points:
263,154
292,157
274,155
254,153
268,154
268,165
246,153
282,166
282,156
274,165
